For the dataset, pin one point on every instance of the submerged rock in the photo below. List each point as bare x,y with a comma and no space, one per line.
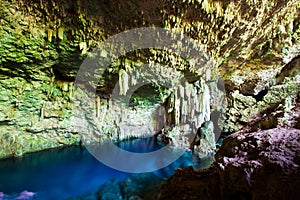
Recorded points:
110,191
259,165
135,187
24,195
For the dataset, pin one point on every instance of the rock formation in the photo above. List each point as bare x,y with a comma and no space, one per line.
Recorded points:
251,163
258,165
255,46
43,44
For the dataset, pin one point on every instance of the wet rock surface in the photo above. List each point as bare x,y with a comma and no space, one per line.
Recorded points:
277,98
135,187
43,44
258,165
256,45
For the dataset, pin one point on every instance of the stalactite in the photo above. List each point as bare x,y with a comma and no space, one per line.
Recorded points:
50,34
98,106
123,82
103,116
177,108
42,113
134,79
206,103
196,101
60,33
191,109
184,111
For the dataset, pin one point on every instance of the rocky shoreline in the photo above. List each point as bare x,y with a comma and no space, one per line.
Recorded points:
258,165
256,49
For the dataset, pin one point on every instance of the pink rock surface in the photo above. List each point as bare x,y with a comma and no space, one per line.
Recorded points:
25,195
259,165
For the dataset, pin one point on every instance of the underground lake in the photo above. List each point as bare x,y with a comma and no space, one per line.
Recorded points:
67,172
218,79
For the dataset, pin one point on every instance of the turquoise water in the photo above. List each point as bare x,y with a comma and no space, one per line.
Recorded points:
71,171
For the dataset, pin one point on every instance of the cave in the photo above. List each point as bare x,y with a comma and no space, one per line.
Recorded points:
132,99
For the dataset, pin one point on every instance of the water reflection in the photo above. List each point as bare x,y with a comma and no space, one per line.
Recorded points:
71,171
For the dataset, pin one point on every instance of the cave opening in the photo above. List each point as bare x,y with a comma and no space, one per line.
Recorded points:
62,73
147,95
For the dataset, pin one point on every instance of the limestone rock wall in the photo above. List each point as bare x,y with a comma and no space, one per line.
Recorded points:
278,94
182,108
43,43
34,116
56,34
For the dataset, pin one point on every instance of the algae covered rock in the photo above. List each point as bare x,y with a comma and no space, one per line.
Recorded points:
43,44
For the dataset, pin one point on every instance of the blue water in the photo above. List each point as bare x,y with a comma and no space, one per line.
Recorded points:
71,171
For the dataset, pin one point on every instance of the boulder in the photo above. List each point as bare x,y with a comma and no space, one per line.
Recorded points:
258,165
